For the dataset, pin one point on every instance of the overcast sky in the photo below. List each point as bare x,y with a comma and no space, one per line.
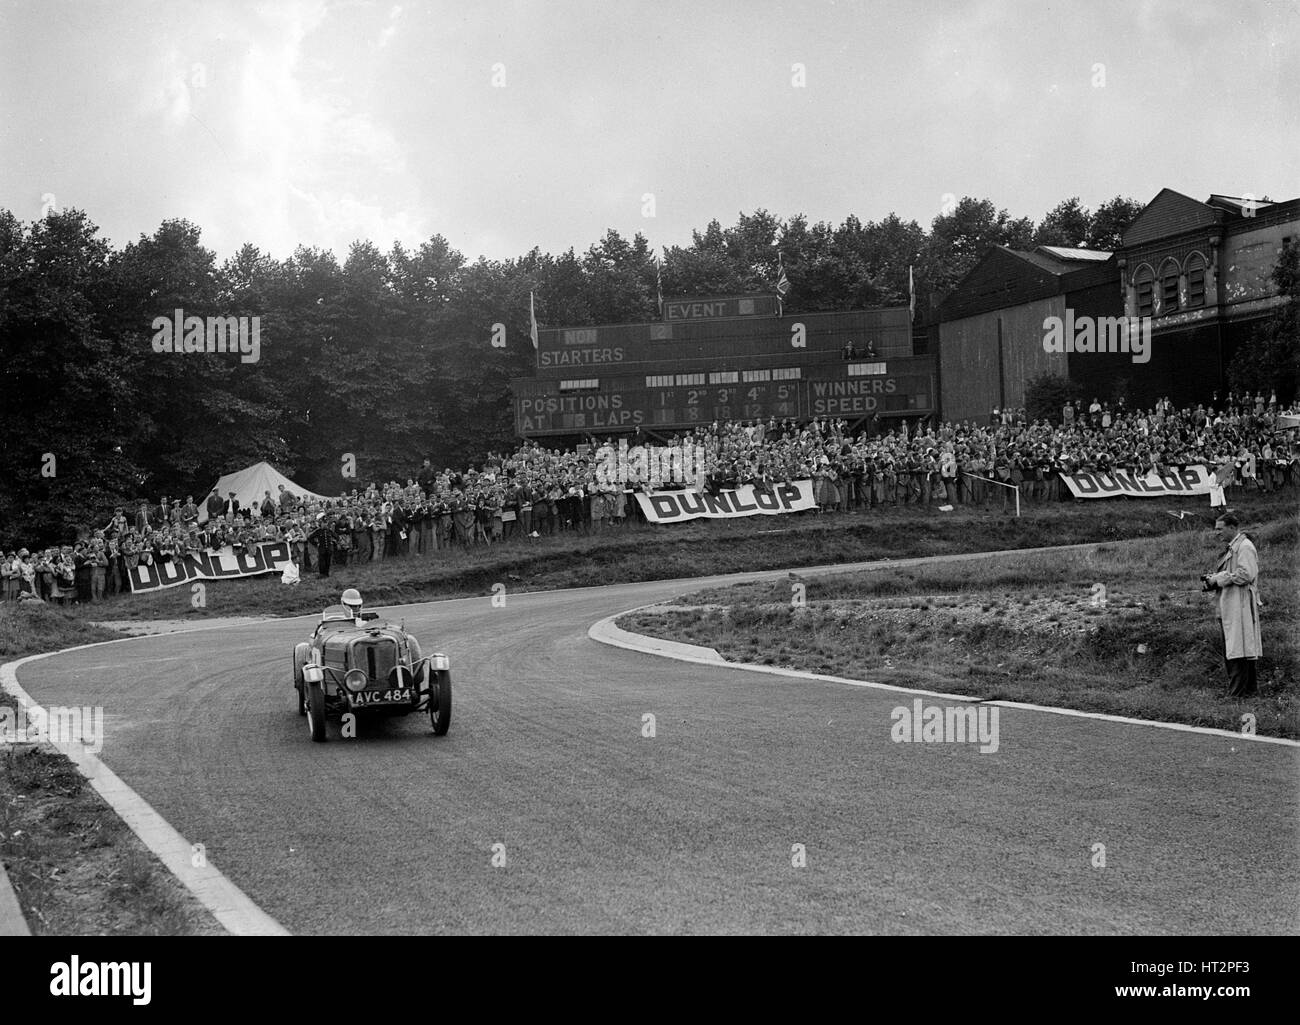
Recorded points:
298,121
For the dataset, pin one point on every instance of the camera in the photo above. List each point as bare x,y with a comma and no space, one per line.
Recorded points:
1206,584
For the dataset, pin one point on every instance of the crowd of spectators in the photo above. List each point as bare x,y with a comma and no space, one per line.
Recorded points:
535,491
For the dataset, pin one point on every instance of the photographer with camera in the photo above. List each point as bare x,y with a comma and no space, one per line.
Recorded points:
1236,579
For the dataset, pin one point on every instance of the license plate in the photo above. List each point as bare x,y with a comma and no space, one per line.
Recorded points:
396,696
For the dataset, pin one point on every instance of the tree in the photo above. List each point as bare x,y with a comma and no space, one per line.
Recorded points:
1270,358
1066,224
616,287
1110,221
71,401
1047,394
206,412
958,240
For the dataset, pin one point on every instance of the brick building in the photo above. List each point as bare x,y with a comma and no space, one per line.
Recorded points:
1196,275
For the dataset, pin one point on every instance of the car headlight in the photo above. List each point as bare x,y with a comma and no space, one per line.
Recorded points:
439,662
313,673
355,680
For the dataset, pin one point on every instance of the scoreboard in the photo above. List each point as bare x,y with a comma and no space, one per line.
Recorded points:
758,400
902,387
659,407
723,359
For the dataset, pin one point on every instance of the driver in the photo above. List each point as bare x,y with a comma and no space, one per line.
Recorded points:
351,601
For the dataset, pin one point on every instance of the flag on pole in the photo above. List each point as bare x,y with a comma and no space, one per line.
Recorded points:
532,320
659,281
782,283
911,295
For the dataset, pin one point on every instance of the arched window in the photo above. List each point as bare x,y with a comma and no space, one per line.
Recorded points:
1144,285
1169,287
1195,268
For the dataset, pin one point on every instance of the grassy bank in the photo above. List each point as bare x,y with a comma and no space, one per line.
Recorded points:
28,628
700,548
1123,629
76,868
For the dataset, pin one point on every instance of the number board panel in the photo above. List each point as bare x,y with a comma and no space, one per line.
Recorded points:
541,409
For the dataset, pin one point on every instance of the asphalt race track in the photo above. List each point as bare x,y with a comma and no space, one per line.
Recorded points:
606,831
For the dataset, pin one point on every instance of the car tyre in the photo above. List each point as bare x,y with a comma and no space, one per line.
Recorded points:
316,712
440,704
299,684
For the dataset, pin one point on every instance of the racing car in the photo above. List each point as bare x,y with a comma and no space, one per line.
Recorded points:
354,663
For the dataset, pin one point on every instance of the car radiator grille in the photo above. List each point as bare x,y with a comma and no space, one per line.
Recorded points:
377,658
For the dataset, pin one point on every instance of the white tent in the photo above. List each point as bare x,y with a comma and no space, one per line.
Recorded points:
251,484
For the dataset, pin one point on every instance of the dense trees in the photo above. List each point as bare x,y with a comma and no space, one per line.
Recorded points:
382,359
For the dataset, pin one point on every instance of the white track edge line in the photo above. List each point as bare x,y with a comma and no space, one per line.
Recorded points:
605,632
227,903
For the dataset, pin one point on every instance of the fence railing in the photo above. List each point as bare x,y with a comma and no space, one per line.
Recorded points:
1001,484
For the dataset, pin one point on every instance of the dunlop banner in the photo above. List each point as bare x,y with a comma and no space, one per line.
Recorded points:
679,506
214,564
1190,480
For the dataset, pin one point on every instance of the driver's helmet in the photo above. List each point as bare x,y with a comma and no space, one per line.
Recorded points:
351,601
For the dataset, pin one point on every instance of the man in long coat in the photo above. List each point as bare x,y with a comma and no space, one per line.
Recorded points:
1236,579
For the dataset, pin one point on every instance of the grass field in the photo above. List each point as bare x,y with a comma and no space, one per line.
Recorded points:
1123,629
701,548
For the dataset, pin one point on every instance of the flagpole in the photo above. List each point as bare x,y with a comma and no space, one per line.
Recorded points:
659,280
782,285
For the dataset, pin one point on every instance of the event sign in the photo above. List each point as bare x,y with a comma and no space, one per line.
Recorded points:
213,564
1190,480
679,506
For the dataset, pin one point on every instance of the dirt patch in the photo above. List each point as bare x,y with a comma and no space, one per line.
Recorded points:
145,627
1047,614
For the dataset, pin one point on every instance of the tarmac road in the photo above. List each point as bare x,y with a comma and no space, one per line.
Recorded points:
693,830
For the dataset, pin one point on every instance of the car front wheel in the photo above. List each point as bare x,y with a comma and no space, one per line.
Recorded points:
440,703
316,712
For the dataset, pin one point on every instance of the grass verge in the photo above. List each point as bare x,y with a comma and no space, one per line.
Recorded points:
1123,629
29,628
76,868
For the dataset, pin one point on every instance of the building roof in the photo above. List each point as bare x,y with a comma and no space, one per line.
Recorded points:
1238,204
1010,277
1064,253
1170,213
1043,261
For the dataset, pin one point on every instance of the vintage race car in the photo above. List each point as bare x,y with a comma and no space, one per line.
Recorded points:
367,668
